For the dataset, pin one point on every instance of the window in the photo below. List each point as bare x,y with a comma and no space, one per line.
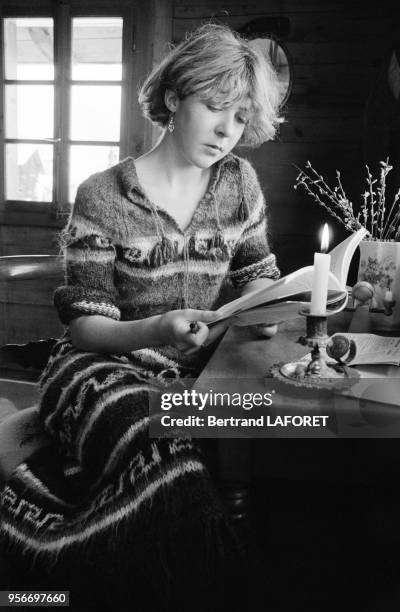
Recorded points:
29,108
64,94
95,95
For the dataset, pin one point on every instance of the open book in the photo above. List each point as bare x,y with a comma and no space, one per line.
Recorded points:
371,349
281,300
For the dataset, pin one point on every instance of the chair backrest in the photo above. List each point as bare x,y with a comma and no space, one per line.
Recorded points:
23,267
32,355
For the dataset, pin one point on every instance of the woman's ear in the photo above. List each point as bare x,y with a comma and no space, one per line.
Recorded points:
171,100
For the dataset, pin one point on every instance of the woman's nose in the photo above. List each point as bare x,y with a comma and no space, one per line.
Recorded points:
225,125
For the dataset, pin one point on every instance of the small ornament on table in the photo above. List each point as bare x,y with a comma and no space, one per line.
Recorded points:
316,364
339,347
362,294
388,303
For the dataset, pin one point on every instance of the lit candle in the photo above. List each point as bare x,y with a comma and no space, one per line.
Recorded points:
319,290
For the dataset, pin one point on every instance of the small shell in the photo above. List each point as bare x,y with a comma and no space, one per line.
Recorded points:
338,347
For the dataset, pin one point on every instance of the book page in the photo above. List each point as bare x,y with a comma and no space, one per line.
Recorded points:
374,349
296,283
275,313
342,255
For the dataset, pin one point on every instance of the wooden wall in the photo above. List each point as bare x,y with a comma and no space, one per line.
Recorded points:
337,47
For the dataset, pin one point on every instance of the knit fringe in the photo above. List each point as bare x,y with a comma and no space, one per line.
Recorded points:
243,212
162,253
217,241
218,249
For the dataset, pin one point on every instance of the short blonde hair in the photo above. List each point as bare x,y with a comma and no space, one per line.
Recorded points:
220,66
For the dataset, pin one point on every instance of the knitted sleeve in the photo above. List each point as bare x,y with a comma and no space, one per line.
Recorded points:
89,256
252,257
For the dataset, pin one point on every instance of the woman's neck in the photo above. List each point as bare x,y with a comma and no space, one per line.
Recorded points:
170,166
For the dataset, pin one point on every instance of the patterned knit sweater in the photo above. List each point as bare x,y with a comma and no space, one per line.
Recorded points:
127,258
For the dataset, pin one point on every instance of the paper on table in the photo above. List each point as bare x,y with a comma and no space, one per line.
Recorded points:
373,349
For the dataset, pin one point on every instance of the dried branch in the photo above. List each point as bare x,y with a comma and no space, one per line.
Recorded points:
373,214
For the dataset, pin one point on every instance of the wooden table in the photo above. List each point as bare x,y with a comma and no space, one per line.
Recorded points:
241,357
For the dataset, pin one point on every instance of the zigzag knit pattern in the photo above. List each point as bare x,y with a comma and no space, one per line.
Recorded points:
107,506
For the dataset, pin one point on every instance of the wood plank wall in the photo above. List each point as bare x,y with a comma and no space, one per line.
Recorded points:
337,47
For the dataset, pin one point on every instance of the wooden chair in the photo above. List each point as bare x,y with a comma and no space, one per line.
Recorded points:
21,432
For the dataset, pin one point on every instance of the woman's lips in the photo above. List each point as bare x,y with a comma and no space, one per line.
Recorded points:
214,148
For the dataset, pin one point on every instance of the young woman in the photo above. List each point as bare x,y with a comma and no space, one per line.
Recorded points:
107,511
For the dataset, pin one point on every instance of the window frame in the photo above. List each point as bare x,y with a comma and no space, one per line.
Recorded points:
54,213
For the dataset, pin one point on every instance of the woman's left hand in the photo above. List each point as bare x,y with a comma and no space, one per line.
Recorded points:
263,330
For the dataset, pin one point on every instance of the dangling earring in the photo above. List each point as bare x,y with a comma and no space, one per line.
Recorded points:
171,124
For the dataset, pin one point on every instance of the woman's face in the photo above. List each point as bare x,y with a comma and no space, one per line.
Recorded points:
204,132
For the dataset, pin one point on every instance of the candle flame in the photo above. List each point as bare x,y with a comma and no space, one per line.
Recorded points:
325,239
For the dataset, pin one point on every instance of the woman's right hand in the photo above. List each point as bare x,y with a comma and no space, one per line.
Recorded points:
175,329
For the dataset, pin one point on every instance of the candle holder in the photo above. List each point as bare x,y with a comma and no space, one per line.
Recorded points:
317,371
316,329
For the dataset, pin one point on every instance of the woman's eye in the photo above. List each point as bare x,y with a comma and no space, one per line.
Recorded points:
242,120
212,108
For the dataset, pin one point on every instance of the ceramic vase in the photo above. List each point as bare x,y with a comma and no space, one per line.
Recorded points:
380,266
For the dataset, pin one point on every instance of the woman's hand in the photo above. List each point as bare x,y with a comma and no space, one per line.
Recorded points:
263,331
174,327
215,332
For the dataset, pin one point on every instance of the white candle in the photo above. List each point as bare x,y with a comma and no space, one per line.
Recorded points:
319,289
388,296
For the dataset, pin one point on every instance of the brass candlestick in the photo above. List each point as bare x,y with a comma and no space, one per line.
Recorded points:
324,369
316,329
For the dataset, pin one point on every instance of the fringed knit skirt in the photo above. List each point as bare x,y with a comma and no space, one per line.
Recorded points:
121,520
